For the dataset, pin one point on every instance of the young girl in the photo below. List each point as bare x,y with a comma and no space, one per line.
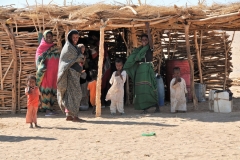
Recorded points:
92,86
178,92
33,101
116,92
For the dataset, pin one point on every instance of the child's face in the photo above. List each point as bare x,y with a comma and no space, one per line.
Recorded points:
119,66
83,49
176,73
31,83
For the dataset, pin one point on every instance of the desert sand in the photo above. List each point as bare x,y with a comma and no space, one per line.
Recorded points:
197,134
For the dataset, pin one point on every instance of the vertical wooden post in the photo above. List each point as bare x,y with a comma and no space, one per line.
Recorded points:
1,74
19,82
14,58
226,57
99,77
190,61
198,57
134,38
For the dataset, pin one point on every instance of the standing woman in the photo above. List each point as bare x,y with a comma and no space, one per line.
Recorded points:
140,69
69,92
47,59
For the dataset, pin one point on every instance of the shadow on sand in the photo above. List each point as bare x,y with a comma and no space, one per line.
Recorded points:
4,138
63,128
130,123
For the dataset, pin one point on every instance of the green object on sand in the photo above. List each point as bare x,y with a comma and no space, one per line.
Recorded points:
149,134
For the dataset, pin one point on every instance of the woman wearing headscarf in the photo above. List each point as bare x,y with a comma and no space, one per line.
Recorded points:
47,59
140,68
69,92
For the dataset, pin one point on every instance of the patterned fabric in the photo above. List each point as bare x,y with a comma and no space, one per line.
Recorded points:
69,93
143,76
47,67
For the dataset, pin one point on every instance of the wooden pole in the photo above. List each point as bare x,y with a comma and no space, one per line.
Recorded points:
198,57
190,61
150,41
1,74
226,58
14,58
99,77
19,82
134,38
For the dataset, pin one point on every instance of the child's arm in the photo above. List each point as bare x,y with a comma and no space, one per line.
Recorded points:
112,78
123,75
40,97
27,90
174,84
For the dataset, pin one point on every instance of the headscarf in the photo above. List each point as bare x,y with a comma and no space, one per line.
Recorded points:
69,36
44,46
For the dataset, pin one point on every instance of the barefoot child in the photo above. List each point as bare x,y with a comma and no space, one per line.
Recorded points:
92,86
33,101
116,92
178,92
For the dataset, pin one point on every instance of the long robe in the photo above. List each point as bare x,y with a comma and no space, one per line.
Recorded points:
178,98
69,92
47,59
143,76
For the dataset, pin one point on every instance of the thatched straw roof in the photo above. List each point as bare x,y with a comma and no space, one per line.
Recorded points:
225,17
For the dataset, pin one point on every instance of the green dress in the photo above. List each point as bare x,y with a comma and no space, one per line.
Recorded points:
144,81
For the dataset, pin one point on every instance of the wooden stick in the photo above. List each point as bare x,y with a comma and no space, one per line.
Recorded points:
129,7
134,37
226,58
10,65
150,41
19,81
14,58
1,74
216,17
195,100
200,52
99,78
137,25
198,57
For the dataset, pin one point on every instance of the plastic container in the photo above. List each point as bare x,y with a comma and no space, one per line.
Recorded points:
222,101
185,74
200,90
211,99
83,108
160,90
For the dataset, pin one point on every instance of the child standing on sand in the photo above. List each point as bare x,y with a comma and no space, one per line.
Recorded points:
92,86
116,92
33,101
178,92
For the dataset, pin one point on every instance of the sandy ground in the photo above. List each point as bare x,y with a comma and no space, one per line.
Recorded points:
193,135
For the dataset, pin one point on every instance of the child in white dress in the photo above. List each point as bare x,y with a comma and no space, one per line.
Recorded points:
116,92
178,92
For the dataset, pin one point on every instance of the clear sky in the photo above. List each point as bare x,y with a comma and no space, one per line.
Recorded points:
22,3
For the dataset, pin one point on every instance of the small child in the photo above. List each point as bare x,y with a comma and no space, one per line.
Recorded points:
92,87
178,92
33,101
116,92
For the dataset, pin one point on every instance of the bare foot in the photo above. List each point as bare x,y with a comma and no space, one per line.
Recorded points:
69,118
76,119
37,126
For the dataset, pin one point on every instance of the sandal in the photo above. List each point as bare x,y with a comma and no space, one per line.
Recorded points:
69,118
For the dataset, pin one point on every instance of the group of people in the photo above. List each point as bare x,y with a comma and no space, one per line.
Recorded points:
70,76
